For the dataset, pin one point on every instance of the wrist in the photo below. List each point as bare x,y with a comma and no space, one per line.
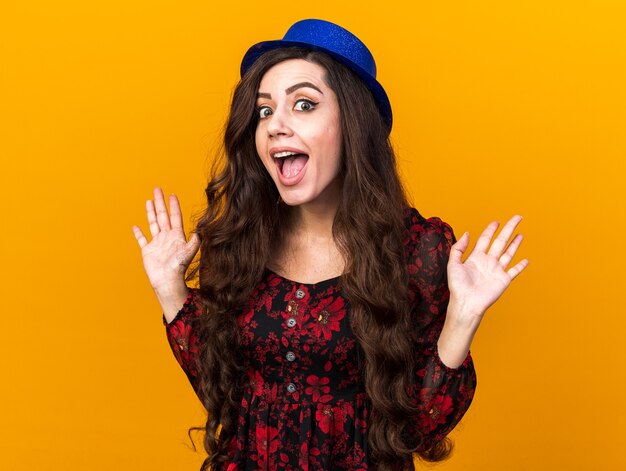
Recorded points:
170,288
458,331
461,314
172,301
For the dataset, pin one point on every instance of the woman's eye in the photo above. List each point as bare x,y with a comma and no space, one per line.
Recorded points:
264,111
304,105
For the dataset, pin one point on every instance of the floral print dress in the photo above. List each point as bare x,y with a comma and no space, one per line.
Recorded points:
306,406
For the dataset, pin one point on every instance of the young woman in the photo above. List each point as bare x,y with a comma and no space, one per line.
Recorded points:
332,323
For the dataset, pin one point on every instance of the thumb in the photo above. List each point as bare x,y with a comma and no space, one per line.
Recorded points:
185,255
193,244
458,249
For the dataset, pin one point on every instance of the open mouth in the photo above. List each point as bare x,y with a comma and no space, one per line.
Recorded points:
290,163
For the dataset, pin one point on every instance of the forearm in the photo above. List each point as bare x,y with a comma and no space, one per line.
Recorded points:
172,299
445,395
457,334
182,336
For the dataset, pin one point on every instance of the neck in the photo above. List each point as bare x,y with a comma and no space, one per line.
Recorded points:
315,219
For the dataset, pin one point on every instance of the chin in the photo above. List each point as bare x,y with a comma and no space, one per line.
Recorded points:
291,199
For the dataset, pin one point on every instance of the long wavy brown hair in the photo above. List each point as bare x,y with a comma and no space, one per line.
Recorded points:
242,226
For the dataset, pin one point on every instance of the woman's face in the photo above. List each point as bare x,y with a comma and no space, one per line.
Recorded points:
298,136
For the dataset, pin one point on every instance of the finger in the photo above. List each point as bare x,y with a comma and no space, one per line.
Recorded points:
458,249
485,238
161,209
152,219
508,255
176,216
191,248
517,269
503,238
194,243
140,237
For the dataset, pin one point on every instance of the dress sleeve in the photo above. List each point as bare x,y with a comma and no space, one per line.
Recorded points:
443,394
182,338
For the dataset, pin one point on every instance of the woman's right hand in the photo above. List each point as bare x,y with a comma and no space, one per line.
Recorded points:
168,255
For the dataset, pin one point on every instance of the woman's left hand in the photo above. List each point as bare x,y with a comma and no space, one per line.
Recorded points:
475,285
478,282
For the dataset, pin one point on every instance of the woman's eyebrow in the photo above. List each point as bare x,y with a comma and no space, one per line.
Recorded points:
290,90
293,88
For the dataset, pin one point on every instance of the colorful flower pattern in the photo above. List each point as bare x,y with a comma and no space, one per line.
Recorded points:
306,406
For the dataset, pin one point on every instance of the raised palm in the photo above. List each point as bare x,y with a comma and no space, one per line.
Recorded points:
478,282
168,255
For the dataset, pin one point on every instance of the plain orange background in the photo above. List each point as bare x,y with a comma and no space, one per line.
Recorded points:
499,107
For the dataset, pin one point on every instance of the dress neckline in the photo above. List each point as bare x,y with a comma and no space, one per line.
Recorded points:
332,280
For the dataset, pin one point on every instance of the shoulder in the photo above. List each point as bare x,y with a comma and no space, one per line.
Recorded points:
427,248
426,233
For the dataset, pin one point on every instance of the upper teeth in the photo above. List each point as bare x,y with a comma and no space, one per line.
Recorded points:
287,153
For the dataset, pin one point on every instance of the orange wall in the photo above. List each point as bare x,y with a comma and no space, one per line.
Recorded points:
500,108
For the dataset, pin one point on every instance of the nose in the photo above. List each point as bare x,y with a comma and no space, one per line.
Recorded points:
278,124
